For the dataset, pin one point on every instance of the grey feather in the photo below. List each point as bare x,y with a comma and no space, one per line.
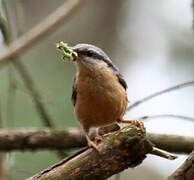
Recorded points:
74,92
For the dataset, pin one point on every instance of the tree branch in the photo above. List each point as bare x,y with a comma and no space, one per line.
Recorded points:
185,171
124,149
172,143
52,139
34,139
176,87
57,17
167,116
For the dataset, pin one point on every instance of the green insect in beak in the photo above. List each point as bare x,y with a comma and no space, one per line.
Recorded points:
68,54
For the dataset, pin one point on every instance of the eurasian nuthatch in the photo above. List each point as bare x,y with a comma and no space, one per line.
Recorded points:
99,90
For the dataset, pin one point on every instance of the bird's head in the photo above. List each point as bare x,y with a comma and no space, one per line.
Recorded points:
92,57
87,56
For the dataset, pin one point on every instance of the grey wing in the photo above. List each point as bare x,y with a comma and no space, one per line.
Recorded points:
74,92
122,81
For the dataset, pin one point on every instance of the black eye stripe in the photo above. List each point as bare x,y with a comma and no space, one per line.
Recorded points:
98,56
86,53
89,53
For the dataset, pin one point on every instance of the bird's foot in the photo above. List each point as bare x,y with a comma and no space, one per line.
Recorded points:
137,123
97,139
92,145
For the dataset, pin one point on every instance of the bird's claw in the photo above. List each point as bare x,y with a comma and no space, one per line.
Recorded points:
97,139
139,124
93,145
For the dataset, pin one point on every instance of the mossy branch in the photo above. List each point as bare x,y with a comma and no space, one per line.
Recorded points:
124,149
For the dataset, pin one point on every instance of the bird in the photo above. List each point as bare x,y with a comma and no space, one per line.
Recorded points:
99,90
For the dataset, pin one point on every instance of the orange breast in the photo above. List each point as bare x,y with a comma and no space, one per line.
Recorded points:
101,99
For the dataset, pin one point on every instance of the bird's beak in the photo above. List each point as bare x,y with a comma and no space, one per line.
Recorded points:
73,53
67,51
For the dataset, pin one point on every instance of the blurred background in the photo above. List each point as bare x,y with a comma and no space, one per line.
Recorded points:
150,41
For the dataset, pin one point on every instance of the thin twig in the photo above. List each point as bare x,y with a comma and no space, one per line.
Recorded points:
176,87
4,25
163,154
27,78
167,116
172,143
11,95
41,109
41,30
2,158
19,17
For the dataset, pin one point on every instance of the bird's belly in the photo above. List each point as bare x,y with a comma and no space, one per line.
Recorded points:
100,103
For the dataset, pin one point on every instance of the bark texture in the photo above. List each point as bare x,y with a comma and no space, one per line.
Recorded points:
125,148
185,171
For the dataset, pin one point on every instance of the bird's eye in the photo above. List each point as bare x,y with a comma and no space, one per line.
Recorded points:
89,53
